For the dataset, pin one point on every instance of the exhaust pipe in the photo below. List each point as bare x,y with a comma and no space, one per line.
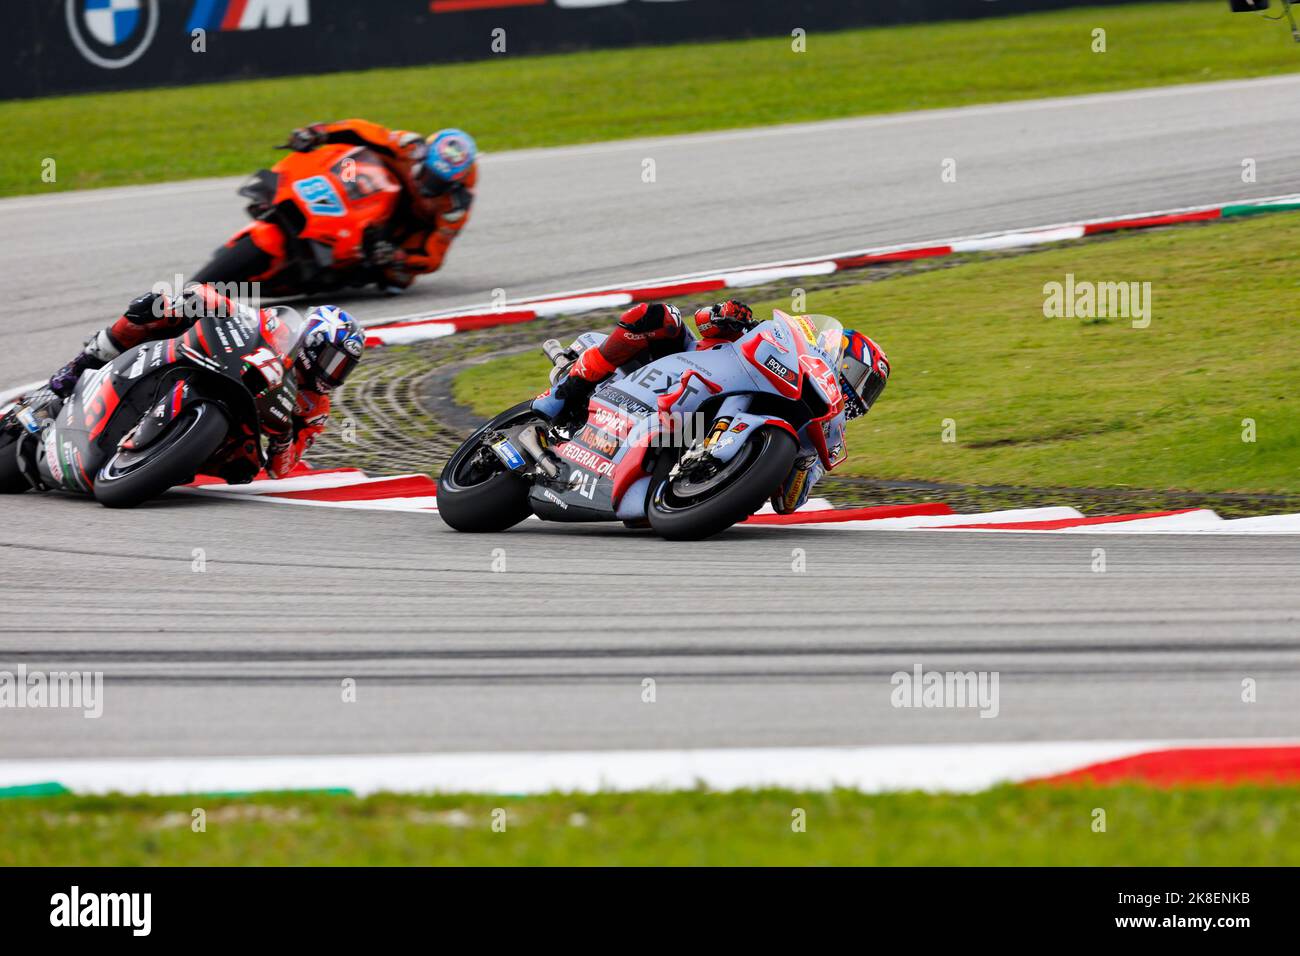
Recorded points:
533,445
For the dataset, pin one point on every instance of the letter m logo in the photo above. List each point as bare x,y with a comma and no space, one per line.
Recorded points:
275,13
248,14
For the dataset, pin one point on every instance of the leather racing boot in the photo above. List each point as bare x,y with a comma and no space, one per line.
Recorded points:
98,351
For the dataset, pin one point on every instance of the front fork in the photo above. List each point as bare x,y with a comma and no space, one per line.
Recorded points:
32,424
731,428
176,397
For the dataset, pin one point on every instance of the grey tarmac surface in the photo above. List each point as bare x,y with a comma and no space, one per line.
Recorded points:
247,656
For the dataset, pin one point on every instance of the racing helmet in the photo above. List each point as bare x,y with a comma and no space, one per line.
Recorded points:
448,158
864,373
332,345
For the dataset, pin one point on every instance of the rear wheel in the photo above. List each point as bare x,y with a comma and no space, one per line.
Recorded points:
475,491
235,263
690,506
131,477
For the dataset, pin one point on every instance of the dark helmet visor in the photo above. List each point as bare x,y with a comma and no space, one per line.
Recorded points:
333,366
864,382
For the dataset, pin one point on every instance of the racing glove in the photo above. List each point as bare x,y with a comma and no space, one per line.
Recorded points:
726,318
306,138
238,471
735,311
384,255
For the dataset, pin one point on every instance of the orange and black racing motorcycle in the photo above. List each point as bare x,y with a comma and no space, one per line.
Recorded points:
317,217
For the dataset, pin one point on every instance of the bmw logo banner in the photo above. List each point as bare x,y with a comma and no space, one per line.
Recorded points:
73,46
84,46
112,33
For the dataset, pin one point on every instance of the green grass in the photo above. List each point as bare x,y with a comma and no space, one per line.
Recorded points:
509,102
1068,402
1202,826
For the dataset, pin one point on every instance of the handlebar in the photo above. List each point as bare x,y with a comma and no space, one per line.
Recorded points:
554,351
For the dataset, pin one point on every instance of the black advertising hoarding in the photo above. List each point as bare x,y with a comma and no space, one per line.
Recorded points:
66,46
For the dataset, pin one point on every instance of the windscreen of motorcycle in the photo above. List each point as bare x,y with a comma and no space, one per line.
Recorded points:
822,332
282,329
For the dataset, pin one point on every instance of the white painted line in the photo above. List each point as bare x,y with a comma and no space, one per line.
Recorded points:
934,768
272,490
421,503
9,394
812,504
415,505
412,333
943,521
1202,521
1187,521
1264,524
296,483
576,304
1260,525
751,277
1014,240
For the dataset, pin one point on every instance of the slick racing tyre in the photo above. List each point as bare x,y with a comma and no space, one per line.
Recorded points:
688,509
475,492
12,481
237,263
132,477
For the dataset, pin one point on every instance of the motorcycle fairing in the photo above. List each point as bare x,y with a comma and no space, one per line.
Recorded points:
150,379
634,414
317,194
340,191
793,344
73,445
774,350
314,214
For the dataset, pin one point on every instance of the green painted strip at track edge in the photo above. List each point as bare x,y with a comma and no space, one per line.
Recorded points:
311,791
1252,209
55,789
50,789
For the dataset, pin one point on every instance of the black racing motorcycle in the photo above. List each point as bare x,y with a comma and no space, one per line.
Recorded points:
156,415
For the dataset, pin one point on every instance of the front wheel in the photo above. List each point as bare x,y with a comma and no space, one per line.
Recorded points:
475,491
132,477
238,262
690,507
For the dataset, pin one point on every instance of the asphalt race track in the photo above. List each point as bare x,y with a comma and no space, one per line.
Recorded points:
247,655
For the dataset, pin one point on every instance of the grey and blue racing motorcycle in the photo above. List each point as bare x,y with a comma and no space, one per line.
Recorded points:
692,442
